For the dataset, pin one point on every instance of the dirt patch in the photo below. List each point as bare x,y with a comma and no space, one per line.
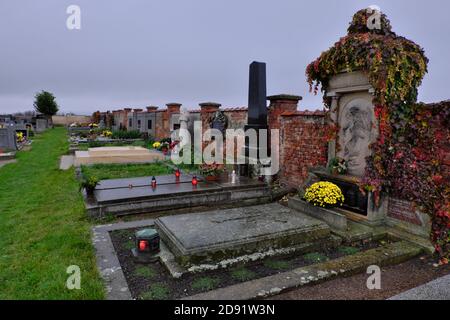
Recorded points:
152,281
394,280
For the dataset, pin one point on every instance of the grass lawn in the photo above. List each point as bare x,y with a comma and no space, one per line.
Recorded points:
117,171
43,227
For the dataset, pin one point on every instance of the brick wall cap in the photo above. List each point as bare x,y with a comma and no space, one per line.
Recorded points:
209,104
284,97
231,109
137,110
152,108
174,104
127,109
303,113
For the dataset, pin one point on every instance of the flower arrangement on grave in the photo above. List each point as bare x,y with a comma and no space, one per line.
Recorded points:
324,194
338,166
156,145
404,161
107,133
89,183
20,137
93,125
211,171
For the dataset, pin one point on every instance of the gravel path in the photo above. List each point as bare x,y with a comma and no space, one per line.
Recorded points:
394,280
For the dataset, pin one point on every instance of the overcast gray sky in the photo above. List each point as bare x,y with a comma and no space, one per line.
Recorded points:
136,53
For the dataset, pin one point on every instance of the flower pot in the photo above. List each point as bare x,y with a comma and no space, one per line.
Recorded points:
212,178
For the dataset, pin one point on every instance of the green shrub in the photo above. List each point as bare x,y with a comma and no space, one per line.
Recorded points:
89,183
121,134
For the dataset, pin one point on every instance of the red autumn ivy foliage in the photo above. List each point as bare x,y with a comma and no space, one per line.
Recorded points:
407,161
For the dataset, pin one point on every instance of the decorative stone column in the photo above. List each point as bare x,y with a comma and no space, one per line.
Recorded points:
332,121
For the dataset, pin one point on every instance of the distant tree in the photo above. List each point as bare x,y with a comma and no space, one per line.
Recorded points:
45,103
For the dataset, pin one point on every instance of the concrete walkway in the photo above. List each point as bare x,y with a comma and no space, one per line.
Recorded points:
5,162
66,162
438,289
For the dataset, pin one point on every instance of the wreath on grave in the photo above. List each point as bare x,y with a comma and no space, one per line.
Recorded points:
404,160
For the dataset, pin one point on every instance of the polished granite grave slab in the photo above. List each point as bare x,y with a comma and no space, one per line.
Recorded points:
212,236
117,190
161,190
144,181
136,195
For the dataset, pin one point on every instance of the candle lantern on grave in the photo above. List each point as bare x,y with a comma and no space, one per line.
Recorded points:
177,173
194,181
147,245
153,183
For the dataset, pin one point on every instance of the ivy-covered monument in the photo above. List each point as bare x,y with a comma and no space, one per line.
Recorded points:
393,149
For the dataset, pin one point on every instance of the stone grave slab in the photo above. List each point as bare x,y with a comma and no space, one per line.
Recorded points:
143,181
146,191
128,154
208,237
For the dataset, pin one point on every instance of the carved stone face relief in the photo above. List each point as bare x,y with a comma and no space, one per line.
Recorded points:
357,132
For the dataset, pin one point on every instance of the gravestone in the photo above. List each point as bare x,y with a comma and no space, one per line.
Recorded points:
8,138
257,118
210,237
41,125
353,111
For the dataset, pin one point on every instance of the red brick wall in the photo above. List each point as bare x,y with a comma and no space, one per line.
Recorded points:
302,145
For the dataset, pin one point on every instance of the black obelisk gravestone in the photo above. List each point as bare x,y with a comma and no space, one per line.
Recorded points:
257,109
257,96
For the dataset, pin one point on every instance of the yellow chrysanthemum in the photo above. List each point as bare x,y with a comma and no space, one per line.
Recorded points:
324,194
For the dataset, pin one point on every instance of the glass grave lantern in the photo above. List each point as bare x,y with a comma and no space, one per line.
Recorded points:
147,245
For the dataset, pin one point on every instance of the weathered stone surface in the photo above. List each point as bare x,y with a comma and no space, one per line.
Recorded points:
117,155
333,218
8,138
438,289
212,236
387,255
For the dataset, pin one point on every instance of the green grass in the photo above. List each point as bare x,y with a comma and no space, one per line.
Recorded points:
315,257
157,291
43,226
145,271
117,171
205,283
242,274
348,250
278,264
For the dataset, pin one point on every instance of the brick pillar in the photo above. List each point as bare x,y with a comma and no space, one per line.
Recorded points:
125,117
280,104
173,107
152,108
207,110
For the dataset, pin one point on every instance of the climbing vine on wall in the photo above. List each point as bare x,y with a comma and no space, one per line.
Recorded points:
404,160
